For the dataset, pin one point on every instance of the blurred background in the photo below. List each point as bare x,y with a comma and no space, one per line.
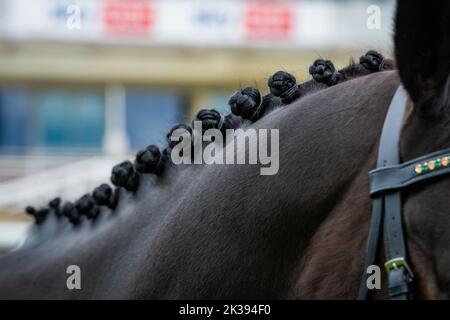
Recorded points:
84,84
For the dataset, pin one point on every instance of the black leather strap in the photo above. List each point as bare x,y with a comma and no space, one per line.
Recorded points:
390,205
400,176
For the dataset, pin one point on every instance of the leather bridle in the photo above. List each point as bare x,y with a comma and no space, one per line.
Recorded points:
386,183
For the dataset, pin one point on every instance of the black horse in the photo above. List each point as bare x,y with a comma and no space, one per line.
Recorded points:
225,231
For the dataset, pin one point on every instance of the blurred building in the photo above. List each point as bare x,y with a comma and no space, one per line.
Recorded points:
84,83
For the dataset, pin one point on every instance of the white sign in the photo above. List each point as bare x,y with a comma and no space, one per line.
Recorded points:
296,24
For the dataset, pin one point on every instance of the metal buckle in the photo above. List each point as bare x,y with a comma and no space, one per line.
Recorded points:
397,263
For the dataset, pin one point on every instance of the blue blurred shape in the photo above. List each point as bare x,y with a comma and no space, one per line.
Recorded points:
150,114
13,115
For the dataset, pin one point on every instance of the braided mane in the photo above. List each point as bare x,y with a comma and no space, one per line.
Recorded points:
247,106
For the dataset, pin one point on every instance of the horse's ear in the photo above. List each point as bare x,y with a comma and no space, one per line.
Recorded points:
422,49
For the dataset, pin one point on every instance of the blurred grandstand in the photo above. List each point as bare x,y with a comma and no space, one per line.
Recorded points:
83,84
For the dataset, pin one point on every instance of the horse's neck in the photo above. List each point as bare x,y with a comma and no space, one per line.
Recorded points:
223,231
333,261
332,265
239,234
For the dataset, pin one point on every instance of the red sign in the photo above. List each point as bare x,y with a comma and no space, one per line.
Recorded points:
269,20
132,17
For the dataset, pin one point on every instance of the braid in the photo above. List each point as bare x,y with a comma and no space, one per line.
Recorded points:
70,211
103,195
149,160
371,60
55,206
284,85
323,71
211,119
87,206
39,215
124,175
246,103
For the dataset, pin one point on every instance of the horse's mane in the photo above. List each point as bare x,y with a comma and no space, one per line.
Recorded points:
195,228
152,169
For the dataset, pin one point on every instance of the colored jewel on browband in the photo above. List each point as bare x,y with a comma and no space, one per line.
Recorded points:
432,165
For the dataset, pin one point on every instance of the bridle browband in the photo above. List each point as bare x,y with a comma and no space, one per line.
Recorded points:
386,183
